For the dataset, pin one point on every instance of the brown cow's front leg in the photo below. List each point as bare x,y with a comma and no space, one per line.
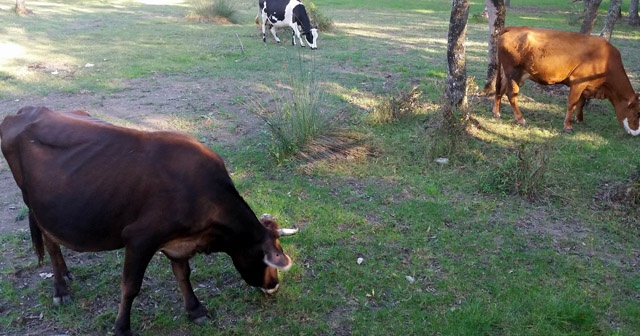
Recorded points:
60,272
136,261
195,310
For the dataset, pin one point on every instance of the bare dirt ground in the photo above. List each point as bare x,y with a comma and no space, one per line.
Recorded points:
150,104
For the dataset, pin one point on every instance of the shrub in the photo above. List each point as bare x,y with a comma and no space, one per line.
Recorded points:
318,19
396,107
520,173
223,11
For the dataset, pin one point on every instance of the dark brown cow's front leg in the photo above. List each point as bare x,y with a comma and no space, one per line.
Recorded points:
195,310
136,260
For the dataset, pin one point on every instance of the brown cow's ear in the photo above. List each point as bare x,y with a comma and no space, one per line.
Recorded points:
632,103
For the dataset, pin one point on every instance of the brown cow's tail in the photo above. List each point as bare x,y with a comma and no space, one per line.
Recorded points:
36,238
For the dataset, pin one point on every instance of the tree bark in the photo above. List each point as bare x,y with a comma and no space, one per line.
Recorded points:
612,17
21,8
456,89
497,12
634,19
590,15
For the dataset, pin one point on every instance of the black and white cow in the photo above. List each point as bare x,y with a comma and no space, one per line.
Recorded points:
287,13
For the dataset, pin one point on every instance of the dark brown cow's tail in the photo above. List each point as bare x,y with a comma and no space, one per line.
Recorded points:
36,238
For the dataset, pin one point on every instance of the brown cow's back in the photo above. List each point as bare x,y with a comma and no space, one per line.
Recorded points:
590,66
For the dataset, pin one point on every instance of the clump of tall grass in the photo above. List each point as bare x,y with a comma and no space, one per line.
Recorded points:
296,114
396,107
318,18
521,173
219,11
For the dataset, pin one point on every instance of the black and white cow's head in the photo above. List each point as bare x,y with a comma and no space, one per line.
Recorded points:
312,37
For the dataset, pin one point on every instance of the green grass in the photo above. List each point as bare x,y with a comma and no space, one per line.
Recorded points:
482,262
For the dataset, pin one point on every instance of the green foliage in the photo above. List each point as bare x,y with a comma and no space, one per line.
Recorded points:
520,173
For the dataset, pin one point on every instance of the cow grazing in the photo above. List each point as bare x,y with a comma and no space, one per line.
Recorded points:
590,66
93,186
287,13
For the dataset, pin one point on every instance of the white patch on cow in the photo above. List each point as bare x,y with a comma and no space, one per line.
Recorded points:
625,123
270,291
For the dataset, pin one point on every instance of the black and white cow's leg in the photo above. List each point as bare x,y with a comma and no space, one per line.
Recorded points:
293,37
273,32
296,32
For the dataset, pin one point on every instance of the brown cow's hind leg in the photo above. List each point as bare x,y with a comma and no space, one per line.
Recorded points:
195,310
512,93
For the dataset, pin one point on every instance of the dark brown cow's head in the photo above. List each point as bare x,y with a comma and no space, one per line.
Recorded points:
259,264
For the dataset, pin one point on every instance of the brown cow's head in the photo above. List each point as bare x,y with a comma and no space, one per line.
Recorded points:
259,264
631,121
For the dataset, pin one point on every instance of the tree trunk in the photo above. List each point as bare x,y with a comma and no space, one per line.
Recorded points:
456,90
21,8
612,17
497,13
590,15
634,19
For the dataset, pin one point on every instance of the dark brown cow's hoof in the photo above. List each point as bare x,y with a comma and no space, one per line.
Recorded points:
61,300
568,130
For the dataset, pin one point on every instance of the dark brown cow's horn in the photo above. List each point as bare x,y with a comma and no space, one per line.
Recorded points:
287,232
281,232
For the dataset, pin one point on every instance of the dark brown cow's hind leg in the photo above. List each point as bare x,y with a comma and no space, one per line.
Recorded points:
60,273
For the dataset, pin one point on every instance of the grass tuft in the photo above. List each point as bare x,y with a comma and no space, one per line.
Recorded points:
217,11
520,173
296,115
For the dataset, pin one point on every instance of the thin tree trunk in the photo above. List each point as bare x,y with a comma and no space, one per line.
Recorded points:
497,12
612,17
590,15
21,8
634,19
456,90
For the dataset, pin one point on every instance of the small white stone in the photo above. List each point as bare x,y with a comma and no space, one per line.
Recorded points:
360,260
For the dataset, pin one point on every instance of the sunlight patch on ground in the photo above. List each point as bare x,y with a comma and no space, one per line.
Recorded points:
10,51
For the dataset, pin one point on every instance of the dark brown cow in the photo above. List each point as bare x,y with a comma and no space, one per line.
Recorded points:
590,66
92,186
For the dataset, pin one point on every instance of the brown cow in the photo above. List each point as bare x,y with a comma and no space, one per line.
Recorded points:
590,66
92,186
